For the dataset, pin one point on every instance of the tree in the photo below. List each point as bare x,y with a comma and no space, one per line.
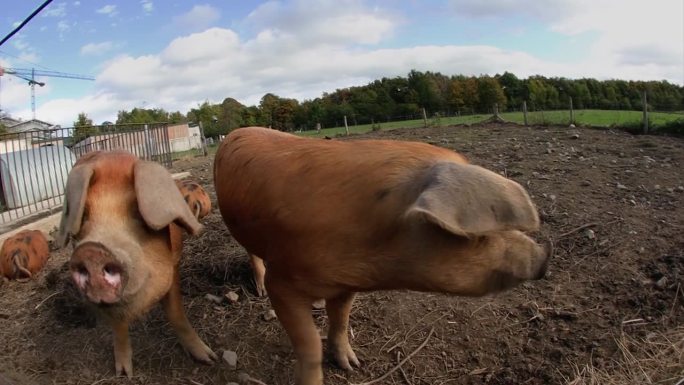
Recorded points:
490,93
177,117
230,115
513,88
83,128
207,114
456,95
427,89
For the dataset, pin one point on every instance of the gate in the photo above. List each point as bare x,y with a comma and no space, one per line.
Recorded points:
34,165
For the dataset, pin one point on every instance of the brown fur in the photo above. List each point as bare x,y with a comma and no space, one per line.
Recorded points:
196,197
331,218
24,254
126,216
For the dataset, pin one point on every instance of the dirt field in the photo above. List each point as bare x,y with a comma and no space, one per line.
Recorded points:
612,202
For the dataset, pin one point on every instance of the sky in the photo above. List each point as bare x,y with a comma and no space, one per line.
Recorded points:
177,54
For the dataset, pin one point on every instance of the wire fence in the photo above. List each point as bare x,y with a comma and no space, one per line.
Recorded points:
34,165
630,120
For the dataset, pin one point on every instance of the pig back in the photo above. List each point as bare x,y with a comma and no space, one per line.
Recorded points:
283,195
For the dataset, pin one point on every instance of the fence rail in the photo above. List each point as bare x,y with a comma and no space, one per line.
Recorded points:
34,164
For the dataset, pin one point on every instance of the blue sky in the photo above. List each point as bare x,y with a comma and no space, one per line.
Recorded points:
176,54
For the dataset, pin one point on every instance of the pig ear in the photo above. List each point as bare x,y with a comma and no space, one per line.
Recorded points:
469,200
159,200
74,205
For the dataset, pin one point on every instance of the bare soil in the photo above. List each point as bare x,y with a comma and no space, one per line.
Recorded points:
612,203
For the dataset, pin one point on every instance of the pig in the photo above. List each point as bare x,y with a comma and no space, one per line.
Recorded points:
195,197
126,217
24,254
333,218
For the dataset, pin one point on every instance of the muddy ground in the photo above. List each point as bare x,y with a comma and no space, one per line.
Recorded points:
612,202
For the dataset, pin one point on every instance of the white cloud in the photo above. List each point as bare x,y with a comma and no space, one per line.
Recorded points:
29,57
20,44
215,64
109,10
58,10
77,3
97,48
635,37
16,96
199,17
64,111
507,9
63,27
292,58
329,22
147,6
25,50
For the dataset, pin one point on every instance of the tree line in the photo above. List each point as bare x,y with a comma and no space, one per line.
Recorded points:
406,97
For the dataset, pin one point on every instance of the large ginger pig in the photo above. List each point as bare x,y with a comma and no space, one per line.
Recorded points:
332,218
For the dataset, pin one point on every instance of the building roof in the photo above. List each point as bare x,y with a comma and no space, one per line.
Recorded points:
7,121
28,125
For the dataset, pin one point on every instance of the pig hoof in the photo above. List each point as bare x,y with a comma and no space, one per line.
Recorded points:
124,368
345,357
319,304
203,353
261,291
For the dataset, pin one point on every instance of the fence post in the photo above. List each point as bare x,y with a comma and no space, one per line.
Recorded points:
346,127
572,112
202,139
644,103
424,118
148,148
525,112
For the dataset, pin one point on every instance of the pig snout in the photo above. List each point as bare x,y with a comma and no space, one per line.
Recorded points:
545,254
97,274
523,259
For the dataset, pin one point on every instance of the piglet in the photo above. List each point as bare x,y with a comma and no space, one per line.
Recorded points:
196,197
24,254
126,216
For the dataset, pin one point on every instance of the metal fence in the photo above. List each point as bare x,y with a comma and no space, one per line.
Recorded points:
34,165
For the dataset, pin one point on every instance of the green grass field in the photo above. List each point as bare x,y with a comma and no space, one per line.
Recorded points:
594,118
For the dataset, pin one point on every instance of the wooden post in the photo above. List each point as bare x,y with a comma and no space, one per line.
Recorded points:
572,112
424,118
203,139
525,112
644,102
346,127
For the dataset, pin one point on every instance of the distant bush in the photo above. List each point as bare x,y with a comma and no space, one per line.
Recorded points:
673,127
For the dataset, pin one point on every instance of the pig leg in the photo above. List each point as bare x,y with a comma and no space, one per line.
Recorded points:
294,312
259,271
123,355
338,309
173,307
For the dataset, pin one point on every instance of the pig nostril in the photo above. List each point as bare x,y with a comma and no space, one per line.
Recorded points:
82,270
111,269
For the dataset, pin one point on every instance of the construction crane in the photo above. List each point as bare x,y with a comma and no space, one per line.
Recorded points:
29,74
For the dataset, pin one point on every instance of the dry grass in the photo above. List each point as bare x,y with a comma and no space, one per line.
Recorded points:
657,358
